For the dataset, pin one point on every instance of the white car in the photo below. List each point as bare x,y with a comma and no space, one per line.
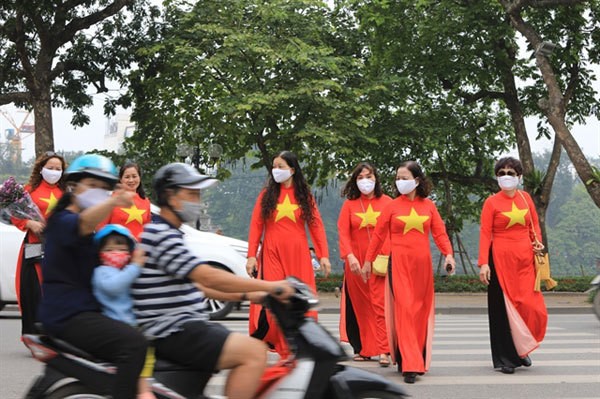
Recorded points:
217,250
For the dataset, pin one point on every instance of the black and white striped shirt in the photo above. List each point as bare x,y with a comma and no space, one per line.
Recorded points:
164,297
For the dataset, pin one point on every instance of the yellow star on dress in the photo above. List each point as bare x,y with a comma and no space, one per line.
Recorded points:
368,218
134,213
286,209
413,221
516,216
51,203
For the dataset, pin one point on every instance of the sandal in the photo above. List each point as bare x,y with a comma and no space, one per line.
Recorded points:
360,358
384,361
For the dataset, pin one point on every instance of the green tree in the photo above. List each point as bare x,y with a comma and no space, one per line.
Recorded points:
51,52
564,93
574,241
465,55
251,75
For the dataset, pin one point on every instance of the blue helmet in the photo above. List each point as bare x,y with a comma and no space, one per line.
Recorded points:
115,229
92,165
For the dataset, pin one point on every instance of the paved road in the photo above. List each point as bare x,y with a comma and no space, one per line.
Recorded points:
567,365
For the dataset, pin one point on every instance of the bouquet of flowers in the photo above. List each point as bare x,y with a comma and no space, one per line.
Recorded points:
16,202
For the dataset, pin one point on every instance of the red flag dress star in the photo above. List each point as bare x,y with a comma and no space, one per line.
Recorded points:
362,314
134,217
45,196
506,229
284,252
409,292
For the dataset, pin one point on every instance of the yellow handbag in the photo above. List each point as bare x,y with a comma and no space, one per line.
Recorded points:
380,265
542,269
542,262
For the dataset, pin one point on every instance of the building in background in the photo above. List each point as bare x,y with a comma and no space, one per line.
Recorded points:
118,128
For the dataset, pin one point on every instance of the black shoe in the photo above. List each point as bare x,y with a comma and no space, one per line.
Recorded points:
526,361
410,378
507,370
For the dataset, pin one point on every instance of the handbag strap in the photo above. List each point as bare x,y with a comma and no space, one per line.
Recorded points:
535,237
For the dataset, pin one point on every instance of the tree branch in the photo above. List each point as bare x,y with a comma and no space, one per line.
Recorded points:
573,81
79,24
470,98
16,96
19,39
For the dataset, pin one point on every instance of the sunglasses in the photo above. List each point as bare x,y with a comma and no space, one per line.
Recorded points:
50,153
504,173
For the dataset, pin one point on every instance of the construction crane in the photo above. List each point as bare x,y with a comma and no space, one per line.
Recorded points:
15,136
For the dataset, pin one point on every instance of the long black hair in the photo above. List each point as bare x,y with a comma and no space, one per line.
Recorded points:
351,191
301,190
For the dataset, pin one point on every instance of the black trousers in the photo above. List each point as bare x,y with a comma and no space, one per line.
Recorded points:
504,352
29,297
113,341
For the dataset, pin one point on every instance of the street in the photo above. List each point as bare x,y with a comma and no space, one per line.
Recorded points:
567,365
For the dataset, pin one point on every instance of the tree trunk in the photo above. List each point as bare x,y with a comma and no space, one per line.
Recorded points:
555,107
42,108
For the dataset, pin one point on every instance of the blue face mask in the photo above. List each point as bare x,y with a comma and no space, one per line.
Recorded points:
92,197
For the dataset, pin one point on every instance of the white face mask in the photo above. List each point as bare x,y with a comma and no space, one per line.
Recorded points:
91,197
191,211
406,186
51,176
281,175
508,182
366,186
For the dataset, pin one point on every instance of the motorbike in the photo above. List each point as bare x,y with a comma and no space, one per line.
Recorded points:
313,369
594,293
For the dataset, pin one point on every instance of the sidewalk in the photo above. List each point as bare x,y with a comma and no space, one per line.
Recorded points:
476,303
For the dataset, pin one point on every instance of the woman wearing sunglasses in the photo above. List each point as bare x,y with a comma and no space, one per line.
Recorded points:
517,313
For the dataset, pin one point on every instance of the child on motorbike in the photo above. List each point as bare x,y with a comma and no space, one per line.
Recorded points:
120,264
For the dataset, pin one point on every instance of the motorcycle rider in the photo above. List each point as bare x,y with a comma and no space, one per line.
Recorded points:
68,309
169,295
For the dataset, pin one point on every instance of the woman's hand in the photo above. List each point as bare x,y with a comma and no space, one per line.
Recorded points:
538,247
484,274
450,264
35,227
251,266
366,271
325,266
354,264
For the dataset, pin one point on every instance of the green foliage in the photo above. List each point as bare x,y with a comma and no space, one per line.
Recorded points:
466,284
250,75
573,243
329,284
51,53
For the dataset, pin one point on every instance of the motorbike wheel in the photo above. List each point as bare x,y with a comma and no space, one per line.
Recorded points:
376,395
596,304
74,390
217,309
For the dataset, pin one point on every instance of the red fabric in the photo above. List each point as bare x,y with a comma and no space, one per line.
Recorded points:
408,225
284,250
356,224
134,217
45,196
506,222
